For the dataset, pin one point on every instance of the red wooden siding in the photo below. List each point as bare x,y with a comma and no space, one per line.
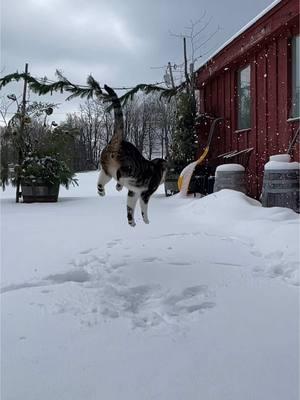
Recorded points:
265,46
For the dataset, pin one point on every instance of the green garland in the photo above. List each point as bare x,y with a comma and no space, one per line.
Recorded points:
42,87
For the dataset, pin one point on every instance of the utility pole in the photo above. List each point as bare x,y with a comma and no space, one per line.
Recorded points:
192,77
21,131
185,67
171,75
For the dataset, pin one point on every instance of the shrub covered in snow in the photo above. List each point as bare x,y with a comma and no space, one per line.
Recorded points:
48,170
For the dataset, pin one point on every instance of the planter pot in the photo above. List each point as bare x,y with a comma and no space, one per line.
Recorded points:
40,193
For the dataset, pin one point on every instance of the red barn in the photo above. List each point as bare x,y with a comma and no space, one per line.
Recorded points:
252,82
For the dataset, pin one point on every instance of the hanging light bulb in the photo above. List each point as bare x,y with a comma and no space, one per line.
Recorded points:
12,97
49,111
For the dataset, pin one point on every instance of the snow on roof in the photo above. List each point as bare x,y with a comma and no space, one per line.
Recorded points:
243,29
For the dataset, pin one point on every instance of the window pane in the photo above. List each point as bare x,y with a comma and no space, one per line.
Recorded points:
244,100
296,76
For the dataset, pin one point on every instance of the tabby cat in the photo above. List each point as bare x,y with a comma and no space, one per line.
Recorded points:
122,161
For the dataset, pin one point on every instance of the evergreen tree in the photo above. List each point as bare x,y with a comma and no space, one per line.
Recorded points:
184,147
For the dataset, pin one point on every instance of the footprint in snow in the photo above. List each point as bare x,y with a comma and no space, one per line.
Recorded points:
179,263
151,259
275,255
89,259
87,251
190,300
148,306
118,265
113,243
79,276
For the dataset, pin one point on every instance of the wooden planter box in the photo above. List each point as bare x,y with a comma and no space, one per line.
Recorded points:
40,193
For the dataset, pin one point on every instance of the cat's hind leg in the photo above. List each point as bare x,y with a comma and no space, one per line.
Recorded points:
119,186
131,203
103,179
144,200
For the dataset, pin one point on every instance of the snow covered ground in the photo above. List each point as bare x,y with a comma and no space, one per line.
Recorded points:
203,303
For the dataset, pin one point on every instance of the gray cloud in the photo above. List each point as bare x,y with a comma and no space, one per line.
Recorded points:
117,41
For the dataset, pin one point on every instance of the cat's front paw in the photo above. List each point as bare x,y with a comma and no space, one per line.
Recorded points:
119,187
132,223
101,190
145,219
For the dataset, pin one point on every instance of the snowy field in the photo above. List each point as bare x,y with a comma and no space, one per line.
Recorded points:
203,303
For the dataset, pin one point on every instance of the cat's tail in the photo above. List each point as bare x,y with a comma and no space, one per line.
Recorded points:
119,120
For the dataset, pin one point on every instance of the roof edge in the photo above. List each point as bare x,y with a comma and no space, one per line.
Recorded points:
245,28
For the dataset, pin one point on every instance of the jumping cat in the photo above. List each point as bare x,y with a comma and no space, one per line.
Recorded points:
122,161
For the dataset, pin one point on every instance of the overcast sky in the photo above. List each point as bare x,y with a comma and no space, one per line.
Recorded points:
118,41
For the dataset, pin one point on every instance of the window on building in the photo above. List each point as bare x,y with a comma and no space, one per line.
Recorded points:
295,77
243,99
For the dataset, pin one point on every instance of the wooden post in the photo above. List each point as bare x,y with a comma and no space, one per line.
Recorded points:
21,132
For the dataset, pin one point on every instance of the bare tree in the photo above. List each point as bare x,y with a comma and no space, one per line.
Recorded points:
167,126
6,102
95,126
148,124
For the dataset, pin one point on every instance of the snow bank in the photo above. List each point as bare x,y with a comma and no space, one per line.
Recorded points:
274,233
